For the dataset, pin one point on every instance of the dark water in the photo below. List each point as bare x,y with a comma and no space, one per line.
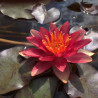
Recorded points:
18,29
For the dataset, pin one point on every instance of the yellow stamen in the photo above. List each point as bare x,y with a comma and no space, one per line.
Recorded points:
57,43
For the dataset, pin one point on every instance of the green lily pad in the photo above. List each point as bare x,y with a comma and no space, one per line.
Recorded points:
14,74
19,9
43,87
87,85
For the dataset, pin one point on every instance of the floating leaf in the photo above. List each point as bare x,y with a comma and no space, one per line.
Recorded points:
89,8
52,15
39,13
19,9
94,43
43,16
43,87
74,29
14,74
87,85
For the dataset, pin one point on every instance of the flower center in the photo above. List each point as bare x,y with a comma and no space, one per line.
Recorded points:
56,43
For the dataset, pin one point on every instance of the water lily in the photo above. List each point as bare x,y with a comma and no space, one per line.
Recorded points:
55,48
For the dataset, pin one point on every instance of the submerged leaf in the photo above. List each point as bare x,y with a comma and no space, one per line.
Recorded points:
14,74
43,87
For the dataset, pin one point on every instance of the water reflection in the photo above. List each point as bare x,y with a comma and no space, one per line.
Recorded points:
18,29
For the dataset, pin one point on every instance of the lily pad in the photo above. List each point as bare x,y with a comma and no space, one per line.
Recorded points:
14,74
87,85
89,8
94,43
43,87
19,9
43,16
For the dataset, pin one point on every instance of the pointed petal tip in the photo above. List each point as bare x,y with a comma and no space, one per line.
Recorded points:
52,26
51,23
31,30
65,82
89,53
88,41
29,37
23,55
65,28
33,74
42,28
67,22
61,69
90,60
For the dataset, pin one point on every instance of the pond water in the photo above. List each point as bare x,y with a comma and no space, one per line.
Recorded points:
18,29
71,10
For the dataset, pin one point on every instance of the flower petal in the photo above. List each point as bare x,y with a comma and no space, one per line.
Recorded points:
44,32
21,53
52,28
60,63
79,58
81,43
41,67
74,47
36,42
86,52
70,52
65,28
35,33
63,76
47,58
78,35
32,52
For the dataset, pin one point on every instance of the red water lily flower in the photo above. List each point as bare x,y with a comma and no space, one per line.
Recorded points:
55,48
